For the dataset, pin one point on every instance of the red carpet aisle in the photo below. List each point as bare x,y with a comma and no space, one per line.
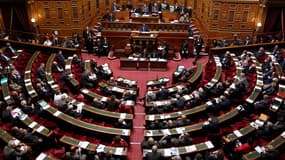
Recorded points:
142,77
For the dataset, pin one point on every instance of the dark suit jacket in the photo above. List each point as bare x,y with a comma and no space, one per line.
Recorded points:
154,156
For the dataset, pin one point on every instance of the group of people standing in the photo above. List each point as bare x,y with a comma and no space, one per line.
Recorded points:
96,44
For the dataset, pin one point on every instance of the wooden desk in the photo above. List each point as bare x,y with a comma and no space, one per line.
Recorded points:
136,63
167,152
82,124
72,80
35,126
191,128
118,90
119,151
276,143
5,136
105,99
43,156
240,48
27,76
6,92
197,74
31,47
145,18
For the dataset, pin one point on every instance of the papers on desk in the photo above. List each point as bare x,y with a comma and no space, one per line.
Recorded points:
162,60
83,144
33,124
171,152
128,102
153,59
259,122
16,112
7,98
283,134
79,107
151,117
27,80
209,144
180,130
104,99
191,148
23,117
57,113
31,92
237,133
67,67
42,156
149,133
123,115
165,131
85,91
28,72
45,107
249,100
259,149
119,151
252,124
100,148
41,128
209,103
125,132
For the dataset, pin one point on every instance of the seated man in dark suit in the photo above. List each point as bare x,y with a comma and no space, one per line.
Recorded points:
41,74
162,94
154,154
212,126
144,28
56,68
86,81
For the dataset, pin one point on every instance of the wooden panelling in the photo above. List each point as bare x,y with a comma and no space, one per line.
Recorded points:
216,16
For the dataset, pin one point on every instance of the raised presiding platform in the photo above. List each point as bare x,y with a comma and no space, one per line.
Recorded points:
151,64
